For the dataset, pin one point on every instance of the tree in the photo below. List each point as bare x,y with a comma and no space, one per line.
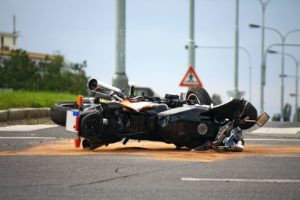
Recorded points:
217,99
287,112
276,117
20,72
50,71
55,78
298,115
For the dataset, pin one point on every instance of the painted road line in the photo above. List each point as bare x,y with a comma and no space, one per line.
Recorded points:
266,130
242,180
23,128
272,139
28,138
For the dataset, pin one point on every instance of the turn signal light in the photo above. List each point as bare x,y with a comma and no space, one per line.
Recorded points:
77,142
79,101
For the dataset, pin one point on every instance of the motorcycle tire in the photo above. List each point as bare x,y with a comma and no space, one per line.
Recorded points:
199,95
88,145
58,112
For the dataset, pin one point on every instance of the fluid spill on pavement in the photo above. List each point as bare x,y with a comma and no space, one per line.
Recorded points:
155,150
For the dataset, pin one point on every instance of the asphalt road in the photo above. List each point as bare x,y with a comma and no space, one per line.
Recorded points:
125,176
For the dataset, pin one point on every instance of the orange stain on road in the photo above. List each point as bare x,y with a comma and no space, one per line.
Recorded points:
154,150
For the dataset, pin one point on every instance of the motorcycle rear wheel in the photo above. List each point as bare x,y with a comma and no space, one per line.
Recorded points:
58,112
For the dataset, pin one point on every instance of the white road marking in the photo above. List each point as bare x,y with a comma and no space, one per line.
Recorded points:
27,138
272,139
242,180
266,130
25,128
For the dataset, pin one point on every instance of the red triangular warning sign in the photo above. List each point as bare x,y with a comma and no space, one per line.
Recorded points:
191,79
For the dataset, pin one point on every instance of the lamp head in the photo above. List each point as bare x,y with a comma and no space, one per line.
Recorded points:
272,52
254,26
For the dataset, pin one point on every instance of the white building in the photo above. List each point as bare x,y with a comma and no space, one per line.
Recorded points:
8,41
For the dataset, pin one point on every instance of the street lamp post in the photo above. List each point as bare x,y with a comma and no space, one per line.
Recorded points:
283,40
191,45
236,92
263,6
264,64
296,77
120,79
249,59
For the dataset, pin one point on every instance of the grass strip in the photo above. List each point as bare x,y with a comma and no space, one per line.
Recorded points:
30,99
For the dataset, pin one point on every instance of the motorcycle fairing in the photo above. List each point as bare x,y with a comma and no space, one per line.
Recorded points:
180,125
225,110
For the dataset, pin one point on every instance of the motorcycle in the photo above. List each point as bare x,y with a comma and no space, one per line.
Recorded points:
191,121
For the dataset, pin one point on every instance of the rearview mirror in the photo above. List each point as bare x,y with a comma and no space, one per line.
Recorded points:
262,119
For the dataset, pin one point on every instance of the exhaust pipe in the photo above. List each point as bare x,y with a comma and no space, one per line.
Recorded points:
101,87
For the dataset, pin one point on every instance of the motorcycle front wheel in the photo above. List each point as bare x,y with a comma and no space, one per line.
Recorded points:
199,95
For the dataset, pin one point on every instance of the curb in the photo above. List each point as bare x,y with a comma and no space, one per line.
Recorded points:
3,115
23,113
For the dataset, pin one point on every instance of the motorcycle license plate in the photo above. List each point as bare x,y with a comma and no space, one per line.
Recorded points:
72,120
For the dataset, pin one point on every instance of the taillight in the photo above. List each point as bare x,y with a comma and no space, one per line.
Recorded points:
76,126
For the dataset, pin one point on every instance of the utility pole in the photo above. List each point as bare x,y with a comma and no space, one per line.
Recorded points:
263,67
14,25
263,77
236,56
249,60
15,34
191,42
236,93
120,79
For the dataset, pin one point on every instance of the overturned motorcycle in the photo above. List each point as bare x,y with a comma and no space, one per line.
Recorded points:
192,122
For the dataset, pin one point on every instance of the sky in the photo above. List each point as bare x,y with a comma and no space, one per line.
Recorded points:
156,33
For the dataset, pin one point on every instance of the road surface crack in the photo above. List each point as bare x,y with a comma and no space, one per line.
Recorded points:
129,175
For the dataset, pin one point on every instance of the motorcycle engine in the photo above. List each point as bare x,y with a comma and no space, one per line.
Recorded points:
92,126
